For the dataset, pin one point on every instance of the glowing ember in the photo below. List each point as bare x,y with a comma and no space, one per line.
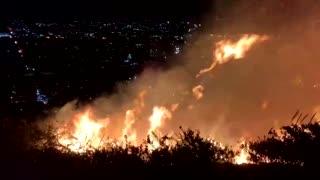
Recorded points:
174,107
226,50
198,92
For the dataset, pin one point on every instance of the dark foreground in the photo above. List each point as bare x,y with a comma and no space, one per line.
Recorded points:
55,166
192,157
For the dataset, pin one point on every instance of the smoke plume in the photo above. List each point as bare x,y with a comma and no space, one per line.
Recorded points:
242,98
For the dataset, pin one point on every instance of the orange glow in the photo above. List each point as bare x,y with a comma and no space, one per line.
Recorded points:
226,50
198,92
128,130
264,105
242,158
130,118
86,135
159,114
174,107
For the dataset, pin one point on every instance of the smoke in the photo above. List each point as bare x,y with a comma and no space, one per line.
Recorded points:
276,77
242,98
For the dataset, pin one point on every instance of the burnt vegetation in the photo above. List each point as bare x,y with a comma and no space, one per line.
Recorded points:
292,150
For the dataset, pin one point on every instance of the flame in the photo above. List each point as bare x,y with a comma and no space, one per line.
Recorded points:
226,50
128,131
243,156
198,91
159,114
87,133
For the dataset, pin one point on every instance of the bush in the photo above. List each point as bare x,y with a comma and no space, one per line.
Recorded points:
31,153
298,143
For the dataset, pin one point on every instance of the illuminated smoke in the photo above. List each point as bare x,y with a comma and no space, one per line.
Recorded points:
198,92
241,99
86,133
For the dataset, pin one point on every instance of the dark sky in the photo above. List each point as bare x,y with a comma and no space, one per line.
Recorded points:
104,8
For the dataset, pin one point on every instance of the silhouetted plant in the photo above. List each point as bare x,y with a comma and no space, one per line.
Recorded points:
185,154
189,149
298,143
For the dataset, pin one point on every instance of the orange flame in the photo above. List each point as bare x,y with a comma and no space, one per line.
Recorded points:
87,133
159,114
130,119
226,50
128,131
243,156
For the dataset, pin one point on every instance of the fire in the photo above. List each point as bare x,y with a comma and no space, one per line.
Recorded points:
87,132
159,114
128,131
130,118
243,157
86,135
198,91
226,50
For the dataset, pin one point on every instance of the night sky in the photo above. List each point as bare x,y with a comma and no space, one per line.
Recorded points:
105,8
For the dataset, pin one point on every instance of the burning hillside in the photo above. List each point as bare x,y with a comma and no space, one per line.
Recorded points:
145,114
